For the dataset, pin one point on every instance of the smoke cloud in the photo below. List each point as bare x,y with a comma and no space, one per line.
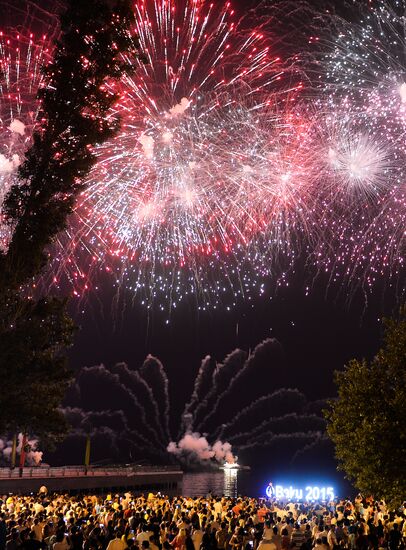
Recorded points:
181,107
147,144
17,127
195,447
8,166
32,458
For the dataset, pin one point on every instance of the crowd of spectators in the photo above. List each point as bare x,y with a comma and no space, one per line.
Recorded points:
155,522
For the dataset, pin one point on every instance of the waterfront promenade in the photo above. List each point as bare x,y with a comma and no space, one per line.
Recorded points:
76,478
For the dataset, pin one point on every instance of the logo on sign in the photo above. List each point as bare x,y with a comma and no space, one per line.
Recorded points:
270,491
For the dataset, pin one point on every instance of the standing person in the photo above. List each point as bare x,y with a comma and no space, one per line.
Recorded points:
117,543
285,542
37,528
3,531
31,543
268,531
266,544
361,540
237,541
308,536
152,544
331,537
218,509
319,545
144,533
179,542
197,537
13,541
189,545
206,543
222,536
394,537
297,538
76,538
276,538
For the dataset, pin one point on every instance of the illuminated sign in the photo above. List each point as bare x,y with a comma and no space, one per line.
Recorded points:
307,493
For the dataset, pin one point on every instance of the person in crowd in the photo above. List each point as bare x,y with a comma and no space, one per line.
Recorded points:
179,542
297,538
3,531
238,540
266,544
332,538
285,542
276,538
117,542
197,535
319,545
394,537
222,537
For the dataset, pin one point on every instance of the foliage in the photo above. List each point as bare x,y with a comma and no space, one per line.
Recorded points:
367,422
74,116
34,368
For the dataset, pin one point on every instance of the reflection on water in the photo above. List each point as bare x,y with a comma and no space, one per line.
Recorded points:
223,482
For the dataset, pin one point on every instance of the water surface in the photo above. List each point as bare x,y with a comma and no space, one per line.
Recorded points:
224,482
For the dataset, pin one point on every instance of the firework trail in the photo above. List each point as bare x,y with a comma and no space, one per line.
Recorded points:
105,429
280,403
222,377
153,372
125,395
302,440
118,406
245,382
277,424
145,397
201,386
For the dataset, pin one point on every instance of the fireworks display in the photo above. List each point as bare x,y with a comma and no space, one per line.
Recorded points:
179,194
22,56
232,163
364,86
226,405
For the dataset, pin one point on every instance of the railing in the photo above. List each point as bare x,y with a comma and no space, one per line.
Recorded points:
90,471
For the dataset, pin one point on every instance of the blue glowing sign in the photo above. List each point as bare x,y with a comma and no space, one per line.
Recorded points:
307,493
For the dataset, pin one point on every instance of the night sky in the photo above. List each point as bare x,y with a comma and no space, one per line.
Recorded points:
319,331
319,334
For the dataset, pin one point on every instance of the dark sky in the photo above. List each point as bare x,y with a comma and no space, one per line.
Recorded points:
319,333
